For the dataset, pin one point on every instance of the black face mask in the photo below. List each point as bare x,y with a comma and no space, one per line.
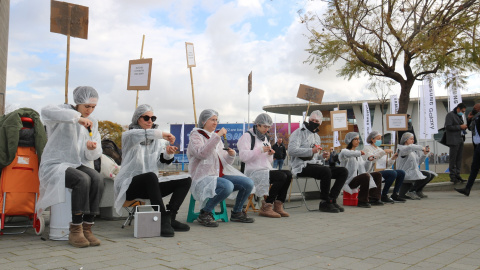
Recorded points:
312,126
474,112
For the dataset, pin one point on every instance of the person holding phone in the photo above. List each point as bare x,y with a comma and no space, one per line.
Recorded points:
257,154
214,177
410,158
370,183
374,141
145,150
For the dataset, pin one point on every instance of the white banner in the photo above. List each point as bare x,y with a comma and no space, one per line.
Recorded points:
393,110
454,93
430,107
367,123
421,118
336,142
243,125
181,136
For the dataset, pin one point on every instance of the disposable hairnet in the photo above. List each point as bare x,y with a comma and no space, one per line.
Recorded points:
405,137
317,115
140,111
263,119
350,136
85,95
204,116
372,136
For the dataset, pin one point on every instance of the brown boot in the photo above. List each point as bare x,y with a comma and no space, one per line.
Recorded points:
76,237
278,207
267,211
87,231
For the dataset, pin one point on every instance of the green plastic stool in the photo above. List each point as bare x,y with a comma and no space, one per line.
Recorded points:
192,215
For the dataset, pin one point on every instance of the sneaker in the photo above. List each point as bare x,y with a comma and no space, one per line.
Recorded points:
413,195
206,219
327,206
241,217
421,195
364,205
387,199
341,209
397,198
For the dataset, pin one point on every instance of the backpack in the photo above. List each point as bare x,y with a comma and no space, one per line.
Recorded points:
242,164
111,149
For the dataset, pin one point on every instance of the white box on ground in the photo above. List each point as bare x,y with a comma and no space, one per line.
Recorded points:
147,224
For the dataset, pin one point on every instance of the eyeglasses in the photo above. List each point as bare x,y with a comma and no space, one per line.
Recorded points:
356,139
146,118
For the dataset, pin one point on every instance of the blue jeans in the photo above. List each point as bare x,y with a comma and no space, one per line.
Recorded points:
390,176
225,186
278,162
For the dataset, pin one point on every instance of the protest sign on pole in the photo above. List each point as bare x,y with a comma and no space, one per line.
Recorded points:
393,110
190,51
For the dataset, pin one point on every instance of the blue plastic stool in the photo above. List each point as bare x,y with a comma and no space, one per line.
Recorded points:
192,215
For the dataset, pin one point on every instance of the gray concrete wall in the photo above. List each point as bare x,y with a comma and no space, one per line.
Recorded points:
4,22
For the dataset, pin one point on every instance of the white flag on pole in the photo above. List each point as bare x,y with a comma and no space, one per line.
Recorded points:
454,93
430,107
336,142
181,136
393,110
367,123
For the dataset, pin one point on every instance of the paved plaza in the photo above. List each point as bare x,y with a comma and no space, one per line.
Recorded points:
441,232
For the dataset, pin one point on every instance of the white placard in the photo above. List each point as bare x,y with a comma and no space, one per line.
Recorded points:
139,74
339,120
397,122
190,55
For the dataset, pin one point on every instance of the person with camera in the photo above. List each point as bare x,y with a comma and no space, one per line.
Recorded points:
280,154
473,121
374,141
358,164
455,134
307,160
409,160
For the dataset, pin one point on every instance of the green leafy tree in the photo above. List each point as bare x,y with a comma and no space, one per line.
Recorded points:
112,131
403,41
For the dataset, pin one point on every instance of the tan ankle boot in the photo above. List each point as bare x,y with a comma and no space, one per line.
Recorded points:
87,231
267,211
76,237
278,207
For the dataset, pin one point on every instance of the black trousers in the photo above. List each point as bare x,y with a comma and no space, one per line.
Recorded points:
416,185
280,180
325,175
146,186
87,189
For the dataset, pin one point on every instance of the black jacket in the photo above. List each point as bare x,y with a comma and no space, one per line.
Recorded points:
280,151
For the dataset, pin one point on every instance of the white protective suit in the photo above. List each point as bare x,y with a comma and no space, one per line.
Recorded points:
257,163
300,144
353,161
66,147
409,158
204,156
379,154
138,158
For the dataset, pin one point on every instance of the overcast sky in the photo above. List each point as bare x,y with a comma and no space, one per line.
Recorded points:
231,38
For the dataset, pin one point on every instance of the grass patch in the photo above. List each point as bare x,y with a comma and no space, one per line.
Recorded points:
445,177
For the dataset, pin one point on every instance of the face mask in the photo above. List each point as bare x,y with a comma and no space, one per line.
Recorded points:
312,126
460,113
409,120
378,142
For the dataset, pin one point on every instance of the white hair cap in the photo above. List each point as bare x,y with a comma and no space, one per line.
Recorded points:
350,136
317,115
263,119
204,116
85,95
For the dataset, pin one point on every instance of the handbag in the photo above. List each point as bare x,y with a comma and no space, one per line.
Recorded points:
443,140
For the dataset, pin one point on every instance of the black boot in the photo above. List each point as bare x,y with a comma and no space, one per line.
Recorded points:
166,226
464,191
178,226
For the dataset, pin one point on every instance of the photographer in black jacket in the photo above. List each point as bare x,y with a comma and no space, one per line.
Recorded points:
280,154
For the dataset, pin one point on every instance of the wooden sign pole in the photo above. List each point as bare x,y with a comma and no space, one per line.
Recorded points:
308,108
193,97
141,57
68,52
